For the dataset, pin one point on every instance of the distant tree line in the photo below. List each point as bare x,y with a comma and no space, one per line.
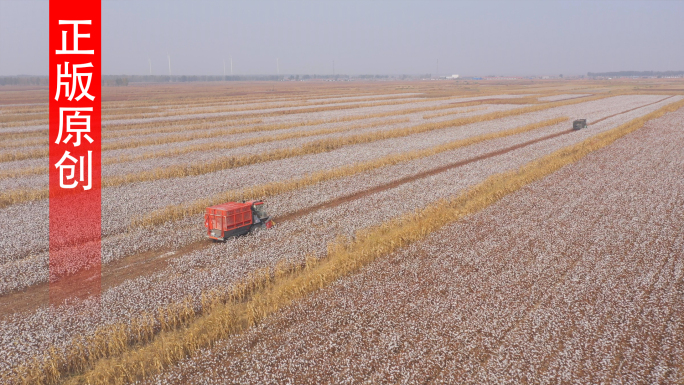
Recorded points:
23,80
636,74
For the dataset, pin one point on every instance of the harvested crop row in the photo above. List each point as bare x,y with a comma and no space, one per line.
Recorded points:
187,124
17,271
26,122
447,113
134,199
279,113
183,158
240,114
406,229
198,122
556,97
207,96
229,107
520,302
195,271
325,145
33,168
208,156
177,212
109,136
313,148
140,241
202,146
38,114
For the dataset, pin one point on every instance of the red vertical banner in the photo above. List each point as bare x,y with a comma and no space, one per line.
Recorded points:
75,148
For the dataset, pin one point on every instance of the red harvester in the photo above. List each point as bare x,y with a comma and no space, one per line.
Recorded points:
235,218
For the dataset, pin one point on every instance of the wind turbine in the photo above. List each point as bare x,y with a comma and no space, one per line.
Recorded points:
277,67
231,66
224,70
150,60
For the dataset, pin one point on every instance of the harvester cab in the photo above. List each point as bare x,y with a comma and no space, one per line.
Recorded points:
233,219
579,124
259,215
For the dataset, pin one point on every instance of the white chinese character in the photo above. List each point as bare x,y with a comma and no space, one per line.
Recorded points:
73,121
76,76
72,168
77,35
61,75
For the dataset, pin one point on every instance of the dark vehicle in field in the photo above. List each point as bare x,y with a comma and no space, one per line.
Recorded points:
579,124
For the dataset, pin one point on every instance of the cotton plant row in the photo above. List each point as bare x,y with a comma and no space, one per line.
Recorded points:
216,163
259,110
336,131
13,142
159,194
22,119
41,124
38,115
151,126
124,143
203,122
574,279
256,105
457,110
20,180
286,114
370,152
128,160
208,98
247,136
137,362
305,122
263,106
187,116
149,196
207,140
292,240
323,145
554,98
264,113
283,242
112,139
20,129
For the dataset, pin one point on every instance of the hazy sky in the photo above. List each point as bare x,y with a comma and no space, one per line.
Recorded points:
363,37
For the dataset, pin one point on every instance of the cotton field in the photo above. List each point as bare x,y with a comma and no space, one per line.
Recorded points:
572,277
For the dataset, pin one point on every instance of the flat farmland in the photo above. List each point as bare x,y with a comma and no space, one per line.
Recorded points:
576,278
517,282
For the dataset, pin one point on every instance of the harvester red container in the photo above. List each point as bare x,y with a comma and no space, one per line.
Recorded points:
235,218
